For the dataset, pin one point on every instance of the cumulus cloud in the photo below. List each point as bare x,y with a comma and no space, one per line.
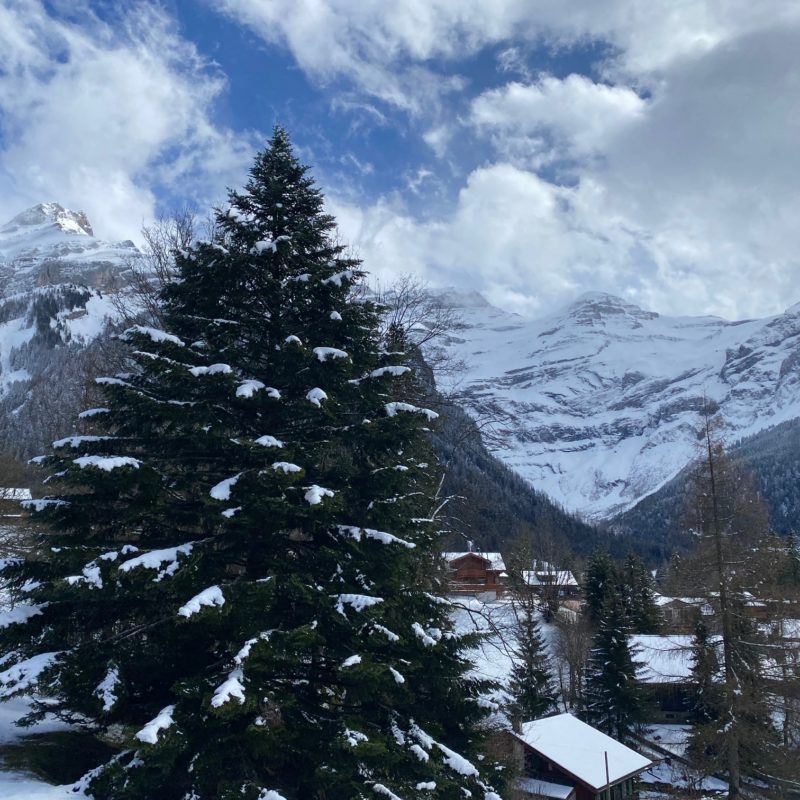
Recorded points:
103,118
376,44
666,174
510,236
552,118
681,202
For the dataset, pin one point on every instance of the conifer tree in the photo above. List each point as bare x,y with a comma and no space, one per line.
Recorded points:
705,676
732,555
236,582
530,683
600,580
612,700
637,590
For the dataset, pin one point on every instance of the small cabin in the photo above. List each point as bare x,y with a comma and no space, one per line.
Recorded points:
664,671
680,614
479,574
544,579
11,499
562,757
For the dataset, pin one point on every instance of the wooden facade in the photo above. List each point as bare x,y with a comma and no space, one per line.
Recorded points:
476,573
562,758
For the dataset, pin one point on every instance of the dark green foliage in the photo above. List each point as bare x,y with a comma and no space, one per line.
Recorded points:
706,676
612,700
600,581
631,582
530,684
636,587
240,577
58,757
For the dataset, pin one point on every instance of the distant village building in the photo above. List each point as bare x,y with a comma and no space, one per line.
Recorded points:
562,757
479,574
545,578
665,673
680,614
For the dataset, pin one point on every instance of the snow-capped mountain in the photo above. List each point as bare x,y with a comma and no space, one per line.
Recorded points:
56,285
598,405
49,244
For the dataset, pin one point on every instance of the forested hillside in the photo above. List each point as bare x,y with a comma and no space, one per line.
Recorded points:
496,509
772,457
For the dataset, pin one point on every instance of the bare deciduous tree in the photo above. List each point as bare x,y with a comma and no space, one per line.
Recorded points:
148,273
571,647
731,569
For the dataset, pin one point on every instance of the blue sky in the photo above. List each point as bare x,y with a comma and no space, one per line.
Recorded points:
529,149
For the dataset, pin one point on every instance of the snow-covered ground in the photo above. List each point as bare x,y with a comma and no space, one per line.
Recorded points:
17,786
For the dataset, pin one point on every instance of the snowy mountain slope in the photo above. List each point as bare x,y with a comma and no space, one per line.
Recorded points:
56,285
49,244
598,404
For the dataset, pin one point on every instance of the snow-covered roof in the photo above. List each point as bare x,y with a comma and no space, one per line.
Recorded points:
579,750
549,577
663,600
545,788
10,493
495,559
663,659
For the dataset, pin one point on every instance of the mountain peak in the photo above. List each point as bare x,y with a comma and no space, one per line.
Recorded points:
600,299
459,298
50,214
594,306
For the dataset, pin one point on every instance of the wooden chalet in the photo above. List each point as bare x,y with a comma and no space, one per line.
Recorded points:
562,757
11,499
474,573
680,614
664,671
544,578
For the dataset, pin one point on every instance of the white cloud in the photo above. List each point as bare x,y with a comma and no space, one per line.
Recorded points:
553,118
100,118
366,40
379,45
683,203
682,174
514,236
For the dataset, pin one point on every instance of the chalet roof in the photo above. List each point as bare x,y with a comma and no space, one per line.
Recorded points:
662,659
495,560
539,788
785,628
579,750
663,600
549,577
11,493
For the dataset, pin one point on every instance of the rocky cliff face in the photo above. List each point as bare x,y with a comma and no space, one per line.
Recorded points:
49,245
599,404
56,288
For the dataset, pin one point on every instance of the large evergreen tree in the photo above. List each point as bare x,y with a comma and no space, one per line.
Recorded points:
235,583
612,700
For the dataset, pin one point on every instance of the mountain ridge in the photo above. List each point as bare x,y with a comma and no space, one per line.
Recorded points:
597,403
